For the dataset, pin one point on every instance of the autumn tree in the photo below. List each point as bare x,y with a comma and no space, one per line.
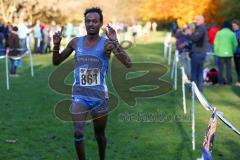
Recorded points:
182,11
129,11
30,9
230,9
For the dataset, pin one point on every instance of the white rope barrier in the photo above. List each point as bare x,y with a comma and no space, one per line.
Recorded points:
2,57
195,91
204,103
220,116
202,99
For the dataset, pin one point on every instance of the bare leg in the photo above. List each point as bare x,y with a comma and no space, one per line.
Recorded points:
99,122
79,114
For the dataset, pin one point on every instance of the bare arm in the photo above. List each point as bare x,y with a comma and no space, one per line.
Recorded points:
60,57
113,45
122,55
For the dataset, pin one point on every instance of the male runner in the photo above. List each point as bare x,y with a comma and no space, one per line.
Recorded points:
89,92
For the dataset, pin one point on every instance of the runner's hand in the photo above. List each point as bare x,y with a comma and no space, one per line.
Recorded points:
111,33
57,37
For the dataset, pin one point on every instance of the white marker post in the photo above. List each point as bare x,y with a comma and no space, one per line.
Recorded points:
30,55
31,62
183,91
165,51
6,67
176,67
173,68
170,53
193,116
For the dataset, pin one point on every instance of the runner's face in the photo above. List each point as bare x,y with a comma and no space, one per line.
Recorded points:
92,23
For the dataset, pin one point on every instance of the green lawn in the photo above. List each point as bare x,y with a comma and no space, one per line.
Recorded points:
27,115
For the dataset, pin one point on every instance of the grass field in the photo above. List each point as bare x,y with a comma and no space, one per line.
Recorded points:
27,115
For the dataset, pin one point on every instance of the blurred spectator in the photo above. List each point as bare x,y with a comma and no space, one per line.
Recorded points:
22,34
199,40
69,30
146,31
184,46
236,28
154,26
134,33
81,31
225,45
13,47
37,36
139,30
213,29
2,48
212,76
41,47
46,40
29,35
7,30
174,28
53,29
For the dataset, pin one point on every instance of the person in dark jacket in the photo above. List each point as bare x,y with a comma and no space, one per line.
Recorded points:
199,40
13,51
236,28
2,39
184,45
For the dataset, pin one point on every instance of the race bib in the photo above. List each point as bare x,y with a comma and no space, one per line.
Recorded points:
89,76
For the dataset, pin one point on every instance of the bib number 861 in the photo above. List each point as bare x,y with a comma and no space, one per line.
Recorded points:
89,77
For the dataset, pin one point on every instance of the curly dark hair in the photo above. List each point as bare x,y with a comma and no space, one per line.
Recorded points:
94,10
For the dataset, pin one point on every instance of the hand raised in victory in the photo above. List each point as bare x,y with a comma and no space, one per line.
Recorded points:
111,33
57,37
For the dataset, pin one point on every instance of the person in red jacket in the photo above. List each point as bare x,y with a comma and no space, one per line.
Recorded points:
213,29
212,33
